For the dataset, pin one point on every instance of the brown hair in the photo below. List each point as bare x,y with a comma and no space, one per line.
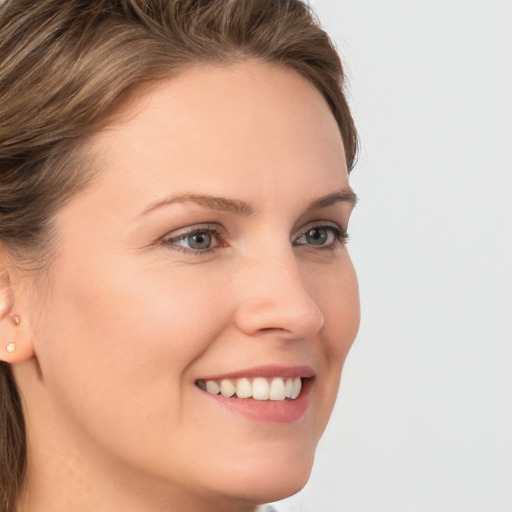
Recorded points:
66,65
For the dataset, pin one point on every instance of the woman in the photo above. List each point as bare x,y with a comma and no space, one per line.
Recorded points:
177,299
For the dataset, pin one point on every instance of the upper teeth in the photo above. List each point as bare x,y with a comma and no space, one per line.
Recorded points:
260,388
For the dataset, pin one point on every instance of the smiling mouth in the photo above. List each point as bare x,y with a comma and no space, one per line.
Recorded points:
259,388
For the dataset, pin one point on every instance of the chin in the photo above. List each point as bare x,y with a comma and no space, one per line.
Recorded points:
283,487
272,479
267,490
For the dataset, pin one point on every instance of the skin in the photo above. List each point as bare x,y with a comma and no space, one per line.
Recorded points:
129,318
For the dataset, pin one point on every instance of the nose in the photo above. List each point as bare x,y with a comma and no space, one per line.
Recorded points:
274,299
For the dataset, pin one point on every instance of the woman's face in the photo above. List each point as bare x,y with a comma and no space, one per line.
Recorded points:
209,248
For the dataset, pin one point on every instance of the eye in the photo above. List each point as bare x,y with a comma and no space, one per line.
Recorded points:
195,241
321,235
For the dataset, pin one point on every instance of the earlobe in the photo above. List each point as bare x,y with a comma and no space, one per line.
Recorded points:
15,341
11,347
17,349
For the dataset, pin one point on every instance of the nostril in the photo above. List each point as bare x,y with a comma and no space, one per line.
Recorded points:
271,330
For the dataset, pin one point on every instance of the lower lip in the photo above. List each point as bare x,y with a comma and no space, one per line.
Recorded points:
269,411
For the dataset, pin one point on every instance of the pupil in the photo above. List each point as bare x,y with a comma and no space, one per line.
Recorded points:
200,241
316,236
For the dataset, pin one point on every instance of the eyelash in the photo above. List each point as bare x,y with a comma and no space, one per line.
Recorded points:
340,237
215,231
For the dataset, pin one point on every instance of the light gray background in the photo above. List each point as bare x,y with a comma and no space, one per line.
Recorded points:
424,418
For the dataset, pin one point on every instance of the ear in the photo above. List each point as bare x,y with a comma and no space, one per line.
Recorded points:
15,335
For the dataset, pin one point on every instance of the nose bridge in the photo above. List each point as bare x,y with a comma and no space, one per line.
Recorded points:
275,296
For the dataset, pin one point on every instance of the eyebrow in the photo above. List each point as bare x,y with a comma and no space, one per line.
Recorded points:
222,204
238,207
344,195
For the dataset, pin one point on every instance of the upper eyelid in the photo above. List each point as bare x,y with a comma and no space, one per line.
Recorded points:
319,224
188,230
218,228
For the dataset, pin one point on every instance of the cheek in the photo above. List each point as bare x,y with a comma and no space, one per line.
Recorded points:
336,292
124,340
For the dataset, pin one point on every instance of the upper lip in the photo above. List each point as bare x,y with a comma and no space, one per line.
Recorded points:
268,371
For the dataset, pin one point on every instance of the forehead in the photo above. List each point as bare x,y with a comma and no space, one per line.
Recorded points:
227,123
